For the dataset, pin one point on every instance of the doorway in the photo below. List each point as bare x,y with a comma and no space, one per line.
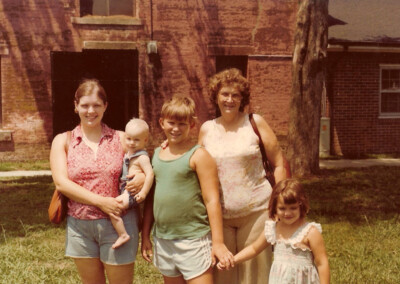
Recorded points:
117,71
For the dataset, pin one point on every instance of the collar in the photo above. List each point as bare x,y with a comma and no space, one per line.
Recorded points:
106,132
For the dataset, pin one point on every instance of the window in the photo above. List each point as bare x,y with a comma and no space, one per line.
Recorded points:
390,91
223,62
106,7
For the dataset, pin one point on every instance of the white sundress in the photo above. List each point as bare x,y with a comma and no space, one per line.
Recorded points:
291,264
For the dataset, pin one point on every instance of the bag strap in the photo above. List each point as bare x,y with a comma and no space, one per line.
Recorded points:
261,144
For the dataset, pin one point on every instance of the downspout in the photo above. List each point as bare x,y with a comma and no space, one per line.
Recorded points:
151,19
151,44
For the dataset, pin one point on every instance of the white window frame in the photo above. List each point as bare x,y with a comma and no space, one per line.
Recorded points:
109,20
382,91
107,9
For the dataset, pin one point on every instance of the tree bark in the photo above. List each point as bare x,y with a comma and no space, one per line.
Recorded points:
308,76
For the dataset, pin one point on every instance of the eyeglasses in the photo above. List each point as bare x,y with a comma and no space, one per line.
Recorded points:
233,97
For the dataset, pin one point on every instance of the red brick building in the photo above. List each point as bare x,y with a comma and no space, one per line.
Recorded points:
363,87
142,51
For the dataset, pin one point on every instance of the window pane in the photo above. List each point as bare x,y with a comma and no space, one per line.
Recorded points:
100,7
390,79
385,84
390,102
86,7
394,79
106,7
385,74
121,7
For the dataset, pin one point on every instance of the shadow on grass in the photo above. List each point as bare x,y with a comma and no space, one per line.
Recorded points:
23,204
34,242
341,194
355,194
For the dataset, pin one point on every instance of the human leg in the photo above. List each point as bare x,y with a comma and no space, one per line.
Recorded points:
255,270
81,245
124,198
205,278
184,259
119,274
231,275
119,227
91,270
118,223
89,242
174,280
107,237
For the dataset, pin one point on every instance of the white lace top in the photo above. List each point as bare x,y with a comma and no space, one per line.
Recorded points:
243,186
292,263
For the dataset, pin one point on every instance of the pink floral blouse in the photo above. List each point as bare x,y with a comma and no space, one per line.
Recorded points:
98,173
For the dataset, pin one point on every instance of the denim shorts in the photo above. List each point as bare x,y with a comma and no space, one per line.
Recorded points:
94,238
189,258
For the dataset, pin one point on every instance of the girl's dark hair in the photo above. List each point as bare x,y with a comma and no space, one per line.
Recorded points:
87,87
229,77
291,192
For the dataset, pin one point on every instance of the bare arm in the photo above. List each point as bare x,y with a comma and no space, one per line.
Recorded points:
272,148
145,165
122,140
252,250
58,164
148,220
203,131
206,170
317,246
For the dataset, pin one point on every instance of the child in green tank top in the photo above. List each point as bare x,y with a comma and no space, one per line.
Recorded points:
185,206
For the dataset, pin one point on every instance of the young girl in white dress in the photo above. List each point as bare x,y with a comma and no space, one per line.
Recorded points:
299,250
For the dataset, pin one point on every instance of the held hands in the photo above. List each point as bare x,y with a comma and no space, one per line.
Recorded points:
222,266
225,257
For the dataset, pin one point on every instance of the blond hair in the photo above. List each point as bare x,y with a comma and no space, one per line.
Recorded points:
137,123
179,108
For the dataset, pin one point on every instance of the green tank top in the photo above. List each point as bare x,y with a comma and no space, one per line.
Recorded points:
179,210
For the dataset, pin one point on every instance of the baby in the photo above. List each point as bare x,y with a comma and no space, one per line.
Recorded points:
136,160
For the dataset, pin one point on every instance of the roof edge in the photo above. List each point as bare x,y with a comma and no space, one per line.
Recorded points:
363,48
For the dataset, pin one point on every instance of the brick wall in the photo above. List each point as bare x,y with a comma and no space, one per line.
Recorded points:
192,33
189,35
270,80
31,29
354,100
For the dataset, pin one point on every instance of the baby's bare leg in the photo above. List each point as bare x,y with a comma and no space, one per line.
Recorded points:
124,197
118,223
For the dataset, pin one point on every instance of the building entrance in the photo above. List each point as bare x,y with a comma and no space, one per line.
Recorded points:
117,71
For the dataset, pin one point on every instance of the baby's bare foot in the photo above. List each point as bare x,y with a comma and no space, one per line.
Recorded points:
121,240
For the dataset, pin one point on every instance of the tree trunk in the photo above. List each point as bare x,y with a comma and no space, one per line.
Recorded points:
308,76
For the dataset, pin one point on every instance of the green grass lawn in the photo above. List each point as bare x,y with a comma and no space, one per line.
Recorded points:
358,208
26,166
